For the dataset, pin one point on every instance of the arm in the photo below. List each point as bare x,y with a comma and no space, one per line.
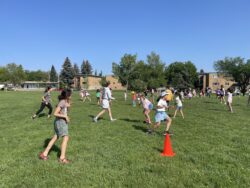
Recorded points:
57,114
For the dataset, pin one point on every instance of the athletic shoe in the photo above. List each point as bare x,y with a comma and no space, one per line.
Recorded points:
167,132
33,117
95,120
113,119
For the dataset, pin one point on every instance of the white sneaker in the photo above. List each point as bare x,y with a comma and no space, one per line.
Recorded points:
113,120
95,120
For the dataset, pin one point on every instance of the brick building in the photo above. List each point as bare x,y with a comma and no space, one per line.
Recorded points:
214,80
92,82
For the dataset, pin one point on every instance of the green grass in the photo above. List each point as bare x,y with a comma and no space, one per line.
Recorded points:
211,145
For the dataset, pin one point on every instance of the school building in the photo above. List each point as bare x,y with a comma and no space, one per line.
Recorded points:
214,80
92,82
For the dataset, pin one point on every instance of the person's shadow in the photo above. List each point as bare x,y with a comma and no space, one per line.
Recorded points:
143,129
54,147
130,120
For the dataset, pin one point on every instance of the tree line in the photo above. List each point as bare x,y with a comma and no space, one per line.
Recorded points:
135,74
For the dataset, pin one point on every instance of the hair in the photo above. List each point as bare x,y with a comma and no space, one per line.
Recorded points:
107,83
98,90
65,94
47,89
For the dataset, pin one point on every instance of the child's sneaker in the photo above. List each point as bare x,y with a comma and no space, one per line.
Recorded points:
113,120
169,133
95,120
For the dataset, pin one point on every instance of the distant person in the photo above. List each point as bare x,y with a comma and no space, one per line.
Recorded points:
98,94
60,127
179,105
161,115
230,99
133,95
125,95
86,95
222,94
106,98
46,102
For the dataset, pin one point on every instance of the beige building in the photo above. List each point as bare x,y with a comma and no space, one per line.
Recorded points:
215,80
92,82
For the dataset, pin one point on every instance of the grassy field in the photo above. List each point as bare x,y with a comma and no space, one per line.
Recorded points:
212,146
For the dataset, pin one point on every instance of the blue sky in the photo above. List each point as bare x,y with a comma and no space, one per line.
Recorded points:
39,33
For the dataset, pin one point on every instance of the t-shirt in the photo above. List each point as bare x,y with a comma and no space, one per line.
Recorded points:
178,101
229,97
169,97
47,97
98,94
64,108
106,94
163,104
146,103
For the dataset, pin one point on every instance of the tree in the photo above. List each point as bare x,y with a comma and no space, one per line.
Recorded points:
76,69
125,69
95,72
15,73
100,74
53,74
156,70
237,68
86,68
3,74
37,75
67,73
182,74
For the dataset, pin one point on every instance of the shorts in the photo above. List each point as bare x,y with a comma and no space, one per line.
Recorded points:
61,127
179,108
105,104
160,116
151,106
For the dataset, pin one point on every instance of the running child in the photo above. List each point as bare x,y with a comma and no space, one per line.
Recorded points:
106,98
46,102
60,127
179,105
161,115
147,107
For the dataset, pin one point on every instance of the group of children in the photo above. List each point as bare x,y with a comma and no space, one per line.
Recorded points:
104,98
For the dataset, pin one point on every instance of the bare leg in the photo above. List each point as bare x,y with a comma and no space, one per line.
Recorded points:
182,114
100,114
175,113
110,114
51,143
64,147
230,107
168,123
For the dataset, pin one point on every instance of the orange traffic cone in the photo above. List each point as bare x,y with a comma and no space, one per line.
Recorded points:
168,152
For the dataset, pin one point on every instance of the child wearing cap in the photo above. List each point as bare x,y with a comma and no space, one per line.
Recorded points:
162,115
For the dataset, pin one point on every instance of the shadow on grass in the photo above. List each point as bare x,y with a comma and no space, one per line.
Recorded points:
158,149
41,115
54,147
143,129
92,117
130,120
214,109
210,102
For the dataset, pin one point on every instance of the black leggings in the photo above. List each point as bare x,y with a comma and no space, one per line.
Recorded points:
43,106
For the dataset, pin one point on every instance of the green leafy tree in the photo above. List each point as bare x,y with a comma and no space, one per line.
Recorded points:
238,68
156,68
38,75
182,74
53,74
86,68
15,73
3,74
125,70
67,73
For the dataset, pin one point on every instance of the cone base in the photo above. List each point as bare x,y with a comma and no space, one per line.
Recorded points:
168,155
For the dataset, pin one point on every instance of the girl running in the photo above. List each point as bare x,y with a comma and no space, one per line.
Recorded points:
162,115
147,107
179,105
46,102
106,98
60,127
